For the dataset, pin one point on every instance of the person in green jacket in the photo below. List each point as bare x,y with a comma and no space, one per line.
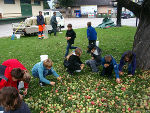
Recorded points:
54,22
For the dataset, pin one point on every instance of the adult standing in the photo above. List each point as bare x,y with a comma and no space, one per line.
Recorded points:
41,24
54,22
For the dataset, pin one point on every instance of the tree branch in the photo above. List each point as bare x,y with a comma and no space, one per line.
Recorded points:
132,6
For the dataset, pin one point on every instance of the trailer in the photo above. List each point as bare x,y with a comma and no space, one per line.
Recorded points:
30,27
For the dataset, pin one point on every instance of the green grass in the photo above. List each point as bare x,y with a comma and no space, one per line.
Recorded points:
109,96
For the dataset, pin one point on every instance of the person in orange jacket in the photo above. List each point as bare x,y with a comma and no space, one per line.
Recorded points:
41,24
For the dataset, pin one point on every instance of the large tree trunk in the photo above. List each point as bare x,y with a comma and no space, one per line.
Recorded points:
141,44
119,12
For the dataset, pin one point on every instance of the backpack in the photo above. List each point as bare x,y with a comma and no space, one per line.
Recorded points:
2,72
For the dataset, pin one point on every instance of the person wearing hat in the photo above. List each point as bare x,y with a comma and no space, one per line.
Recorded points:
95,61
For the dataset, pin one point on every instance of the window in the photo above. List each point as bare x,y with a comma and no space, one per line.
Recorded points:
9,1
25,1
58,14
37,2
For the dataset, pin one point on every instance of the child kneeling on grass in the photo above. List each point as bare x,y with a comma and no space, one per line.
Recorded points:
130,58
74,64
11,101
96,58
42,69
14,63
109,63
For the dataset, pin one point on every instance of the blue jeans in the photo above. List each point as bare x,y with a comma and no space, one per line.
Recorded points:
45,73
93,65
69,47
1,108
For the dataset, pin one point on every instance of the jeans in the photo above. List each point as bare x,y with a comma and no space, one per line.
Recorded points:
107,71
45,73
129,69
93,65
69,47
54,30
1,108
92,42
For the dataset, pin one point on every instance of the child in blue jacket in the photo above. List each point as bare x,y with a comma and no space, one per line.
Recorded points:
42,69
109,64
91,34
130,58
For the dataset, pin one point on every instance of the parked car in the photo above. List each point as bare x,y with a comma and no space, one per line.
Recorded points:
125,15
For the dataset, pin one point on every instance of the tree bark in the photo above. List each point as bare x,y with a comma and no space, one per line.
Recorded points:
119,12
141,45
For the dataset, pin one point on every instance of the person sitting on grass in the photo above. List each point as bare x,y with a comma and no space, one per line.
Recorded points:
70,37
109,64
74,64
91,34
14,63
11,102
96,58
42,69
130,58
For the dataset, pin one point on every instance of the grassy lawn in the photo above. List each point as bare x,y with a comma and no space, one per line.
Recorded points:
133,95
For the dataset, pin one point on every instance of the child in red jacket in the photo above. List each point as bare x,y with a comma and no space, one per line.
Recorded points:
9,76
14,63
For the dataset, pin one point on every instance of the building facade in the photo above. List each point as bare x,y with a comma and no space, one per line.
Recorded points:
92,6
20,8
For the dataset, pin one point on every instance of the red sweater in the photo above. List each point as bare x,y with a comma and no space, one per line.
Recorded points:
14,63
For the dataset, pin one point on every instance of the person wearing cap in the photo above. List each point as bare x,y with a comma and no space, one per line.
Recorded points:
95,61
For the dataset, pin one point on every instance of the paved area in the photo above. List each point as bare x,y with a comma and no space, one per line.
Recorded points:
82,22
6,30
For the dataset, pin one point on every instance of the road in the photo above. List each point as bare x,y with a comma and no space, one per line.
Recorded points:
6,30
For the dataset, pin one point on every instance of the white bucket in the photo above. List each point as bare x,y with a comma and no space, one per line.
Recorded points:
43,57
97,43
18,36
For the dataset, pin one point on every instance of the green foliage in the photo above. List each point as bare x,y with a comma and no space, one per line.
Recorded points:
65,3
45,5
86,91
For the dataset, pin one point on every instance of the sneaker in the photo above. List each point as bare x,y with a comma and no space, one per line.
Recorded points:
42,84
